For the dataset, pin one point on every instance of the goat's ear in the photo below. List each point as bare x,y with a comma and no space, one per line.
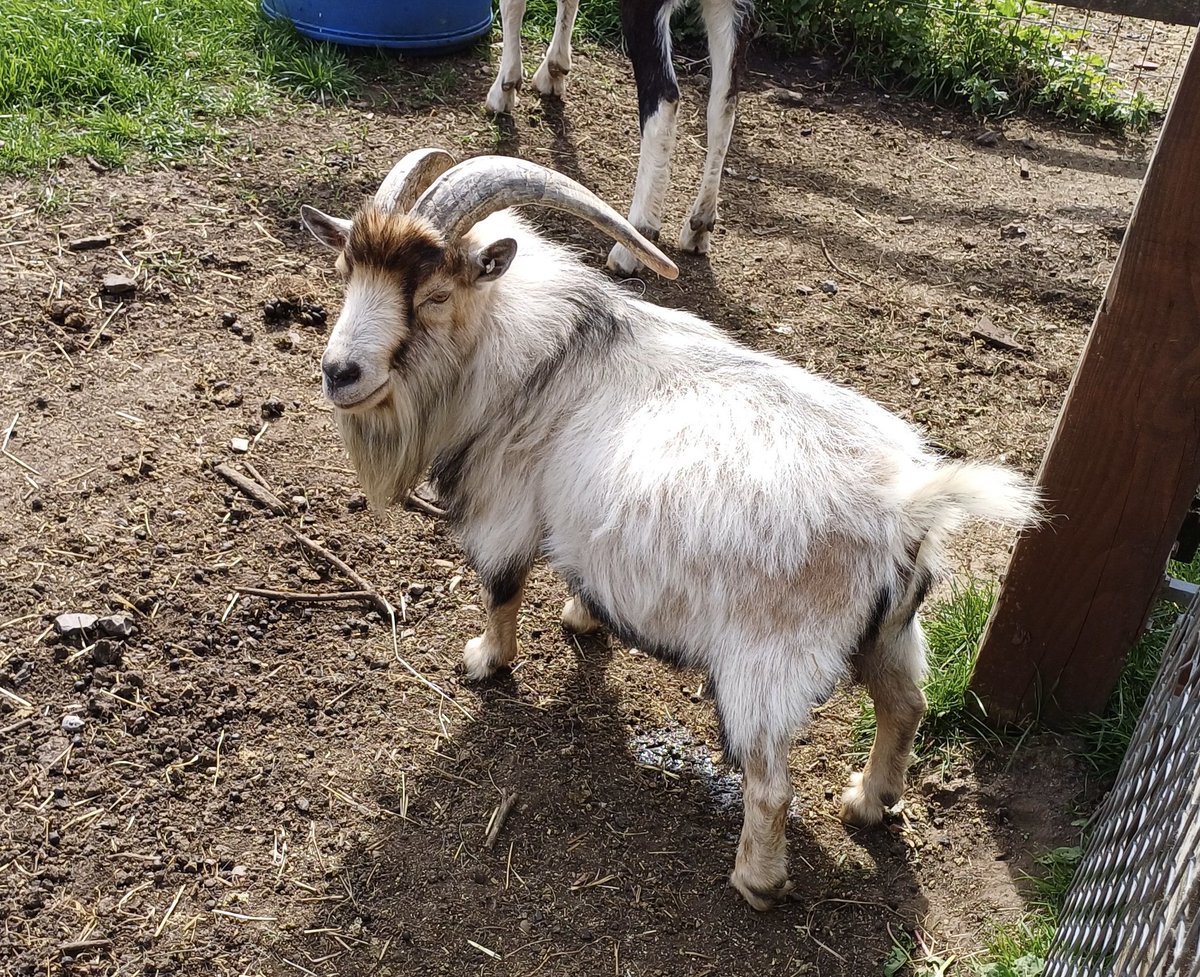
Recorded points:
491,262
330,231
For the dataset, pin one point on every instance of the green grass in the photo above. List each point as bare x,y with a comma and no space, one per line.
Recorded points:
1019,949
966,51
107,78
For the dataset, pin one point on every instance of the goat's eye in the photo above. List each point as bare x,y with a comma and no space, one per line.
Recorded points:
437,298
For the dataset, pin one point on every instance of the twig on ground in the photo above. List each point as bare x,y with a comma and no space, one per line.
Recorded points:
18,725
418,676
414,501
8,433
254,490
842,271
82,946
499,816
257,475
381,604
300,597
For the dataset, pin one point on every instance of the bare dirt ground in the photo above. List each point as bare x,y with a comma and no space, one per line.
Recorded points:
265,788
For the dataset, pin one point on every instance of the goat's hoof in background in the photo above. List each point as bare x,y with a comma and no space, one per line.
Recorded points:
502,96
696,234
761,889
858,807
551,79
481,658
575,617
622,261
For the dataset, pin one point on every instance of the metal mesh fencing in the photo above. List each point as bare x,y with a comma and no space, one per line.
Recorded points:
1133,909
1132,55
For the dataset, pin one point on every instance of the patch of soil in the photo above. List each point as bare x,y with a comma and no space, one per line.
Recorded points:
247,786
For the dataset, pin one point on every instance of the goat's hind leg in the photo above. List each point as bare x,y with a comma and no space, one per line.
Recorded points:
551,76
502,96
576,617
758,714
892,669
729,24
497,646
760,872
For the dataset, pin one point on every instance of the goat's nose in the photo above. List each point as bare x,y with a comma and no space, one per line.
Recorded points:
340,373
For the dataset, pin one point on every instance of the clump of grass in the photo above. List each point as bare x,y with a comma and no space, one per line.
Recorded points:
997,56
1019,949
107,78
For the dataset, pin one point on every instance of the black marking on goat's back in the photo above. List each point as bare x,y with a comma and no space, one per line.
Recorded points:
596,328
650,54
504,582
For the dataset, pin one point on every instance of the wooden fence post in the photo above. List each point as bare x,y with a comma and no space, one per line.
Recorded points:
1123,462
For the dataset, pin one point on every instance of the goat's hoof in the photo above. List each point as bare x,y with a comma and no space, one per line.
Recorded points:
696,235
502,97
551,79
575,617
481,659
622,261
858,807
761,891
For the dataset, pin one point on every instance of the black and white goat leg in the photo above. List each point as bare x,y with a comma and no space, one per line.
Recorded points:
647,28
551,76
497,646
729,24
502,96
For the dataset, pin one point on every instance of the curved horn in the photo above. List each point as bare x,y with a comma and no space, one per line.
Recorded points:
466,194
410,177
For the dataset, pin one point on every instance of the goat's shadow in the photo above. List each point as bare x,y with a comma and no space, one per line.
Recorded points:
603,858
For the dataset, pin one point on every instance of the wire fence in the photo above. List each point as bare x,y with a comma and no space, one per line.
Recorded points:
1144,56
1133,909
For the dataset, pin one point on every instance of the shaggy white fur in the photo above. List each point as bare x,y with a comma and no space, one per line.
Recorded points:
716,505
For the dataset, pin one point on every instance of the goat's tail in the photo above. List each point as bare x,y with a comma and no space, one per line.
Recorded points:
941,500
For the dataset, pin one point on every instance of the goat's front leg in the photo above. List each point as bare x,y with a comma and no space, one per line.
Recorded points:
502,97
760,873
497,646
647,28
551,76
729,24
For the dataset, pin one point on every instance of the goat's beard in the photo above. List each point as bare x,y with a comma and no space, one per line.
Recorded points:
388,445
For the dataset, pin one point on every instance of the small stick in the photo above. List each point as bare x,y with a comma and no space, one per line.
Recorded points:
257,475
80,946
842,271
300,597
19,724
255,491
507,800
414,501
381,605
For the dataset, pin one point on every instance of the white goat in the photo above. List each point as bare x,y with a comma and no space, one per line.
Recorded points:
709,503
646,26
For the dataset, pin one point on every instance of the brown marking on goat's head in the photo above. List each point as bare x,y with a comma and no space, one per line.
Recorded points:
410,316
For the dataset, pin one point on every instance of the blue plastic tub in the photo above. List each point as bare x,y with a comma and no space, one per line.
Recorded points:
413,24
